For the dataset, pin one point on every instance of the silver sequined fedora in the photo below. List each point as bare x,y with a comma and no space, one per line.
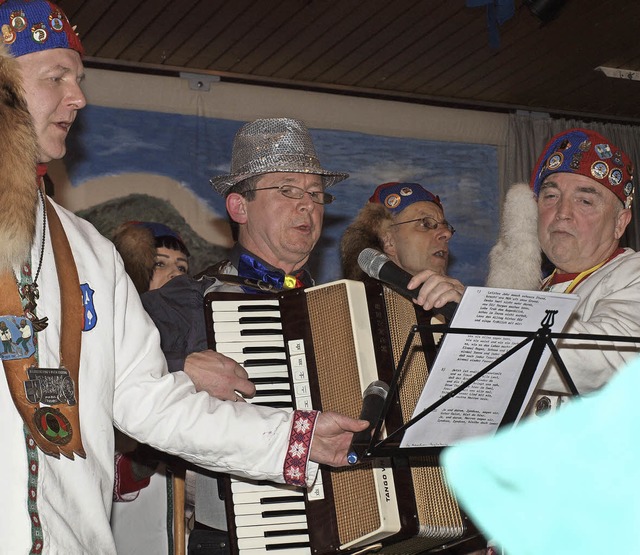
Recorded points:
273,145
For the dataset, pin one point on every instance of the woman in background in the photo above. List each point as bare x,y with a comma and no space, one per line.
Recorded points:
153,254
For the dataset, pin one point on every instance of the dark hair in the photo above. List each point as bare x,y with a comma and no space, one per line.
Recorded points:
172,243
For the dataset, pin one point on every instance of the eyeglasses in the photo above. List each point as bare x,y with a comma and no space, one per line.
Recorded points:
429,223
290,191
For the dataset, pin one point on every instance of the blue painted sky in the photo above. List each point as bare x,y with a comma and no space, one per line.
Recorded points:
190,149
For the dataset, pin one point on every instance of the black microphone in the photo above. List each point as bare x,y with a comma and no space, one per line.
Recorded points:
377,265
372,402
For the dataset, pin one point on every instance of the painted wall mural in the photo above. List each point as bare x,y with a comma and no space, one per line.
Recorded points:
150,147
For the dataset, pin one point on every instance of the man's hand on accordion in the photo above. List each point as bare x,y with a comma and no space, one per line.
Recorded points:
219,376
332,438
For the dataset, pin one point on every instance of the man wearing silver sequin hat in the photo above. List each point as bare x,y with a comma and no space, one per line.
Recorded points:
97,360
275,198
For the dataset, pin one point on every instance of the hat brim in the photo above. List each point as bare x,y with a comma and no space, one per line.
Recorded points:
222,183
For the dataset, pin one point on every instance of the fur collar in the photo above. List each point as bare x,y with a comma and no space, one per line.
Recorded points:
18,160
364,232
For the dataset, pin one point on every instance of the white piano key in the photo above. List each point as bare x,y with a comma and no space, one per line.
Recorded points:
271,399
222,327
234,306
229,316
265,371
266,387
255,496
258,520
241,357
252,543
238,346
248,339
259,508
249,485
290,551
257,531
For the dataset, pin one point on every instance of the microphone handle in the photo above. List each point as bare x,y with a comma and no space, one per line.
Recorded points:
371,411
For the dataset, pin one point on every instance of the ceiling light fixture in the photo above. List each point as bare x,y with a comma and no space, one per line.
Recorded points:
620,73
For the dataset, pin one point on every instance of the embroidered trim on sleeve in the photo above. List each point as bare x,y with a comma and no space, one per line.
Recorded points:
295,463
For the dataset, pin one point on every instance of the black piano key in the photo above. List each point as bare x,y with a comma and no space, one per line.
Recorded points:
284,512
276,405
268,380
272,392
282,546
264,362
276,533
262,349
258,307
260,332
259,320
285,499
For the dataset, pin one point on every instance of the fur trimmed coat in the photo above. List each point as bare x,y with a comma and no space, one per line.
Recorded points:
364,232
18,160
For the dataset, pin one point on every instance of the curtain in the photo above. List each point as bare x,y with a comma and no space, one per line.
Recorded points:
528,134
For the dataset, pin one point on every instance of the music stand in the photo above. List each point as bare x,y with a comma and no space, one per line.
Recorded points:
540,339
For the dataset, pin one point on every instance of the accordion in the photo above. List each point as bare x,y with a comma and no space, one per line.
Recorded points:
319,348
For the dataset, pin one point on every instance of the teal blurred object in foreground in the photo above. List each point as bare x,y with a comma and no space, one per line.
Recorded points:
566,483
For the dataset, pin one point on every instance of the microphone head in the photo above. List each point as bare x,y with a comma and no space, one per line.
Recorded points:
371,261
377,387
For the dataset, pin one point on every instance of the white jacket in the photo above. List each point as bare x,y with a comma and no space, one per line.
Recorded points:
123,382
609,305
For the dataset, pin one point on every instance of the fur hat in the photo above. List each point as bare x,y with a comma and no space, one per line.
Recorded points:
34,25
585,152
364,232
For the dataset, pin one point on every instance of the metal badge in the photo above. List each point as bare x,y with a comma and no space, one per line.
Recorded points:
55,22
576,159
585,145
50,386
603,151
617,159
392,201
53,425
39,33
599,170
555,161
615,177
18,20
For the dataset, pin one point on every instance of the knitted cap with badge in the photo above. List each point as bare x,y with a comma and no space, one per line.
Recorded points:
585,152
397,196
35,25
